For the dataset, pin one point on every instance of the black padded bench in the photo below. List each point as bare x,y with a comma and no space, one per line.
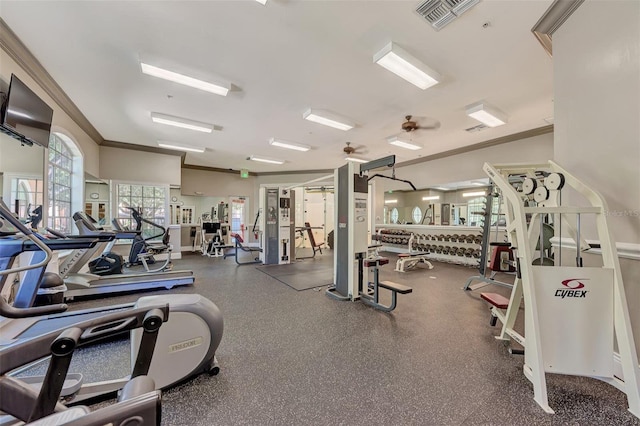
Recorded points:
398,288
371,296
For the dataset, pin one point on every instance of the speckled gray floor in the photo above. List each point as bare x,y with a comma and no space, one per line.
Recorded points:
299,357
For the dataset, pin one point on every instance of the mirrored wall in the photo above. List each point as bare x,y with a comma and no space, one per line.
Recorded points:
22,180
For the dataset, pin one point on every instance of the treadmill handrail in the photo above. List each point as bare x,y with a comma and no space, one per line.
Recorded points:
6,213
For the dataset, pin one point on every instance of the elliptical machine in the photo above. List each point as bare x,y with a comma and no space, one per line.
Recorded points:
109,263
189,338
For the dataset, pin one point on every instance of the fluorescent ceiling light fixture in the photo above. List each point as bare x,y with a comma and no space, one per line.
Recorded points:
431,197
328,119
265,160
288,145
398,61
262,2
440,188
355,159
474,194
403,144
390,201
478,184
184,79
181,122
179,147
486,114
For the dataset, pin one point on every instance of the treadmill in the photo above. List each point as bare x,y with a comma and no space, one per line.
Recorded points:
86,284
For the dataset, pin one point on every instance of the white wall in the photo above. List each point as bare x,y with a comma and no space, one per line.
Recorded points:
596,55
139,166
61,120
215,184
15,158
468,166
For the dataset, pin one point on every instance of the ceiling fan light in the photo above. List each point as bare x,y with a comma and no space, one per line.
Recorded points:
403,143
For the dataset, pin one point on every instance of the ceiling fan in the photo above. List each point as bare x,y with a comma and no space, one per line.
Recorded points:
410,126
351,150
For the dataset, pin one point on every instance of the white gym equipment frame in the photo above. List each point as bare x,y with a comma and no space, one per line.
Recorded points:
566,335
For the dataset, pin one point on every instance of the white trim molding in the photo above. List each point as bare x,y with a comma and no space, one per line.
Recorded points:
625,250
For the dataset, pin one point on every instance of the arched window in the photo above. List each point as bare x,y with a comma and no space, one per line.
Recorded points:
416,214
65,180
394,215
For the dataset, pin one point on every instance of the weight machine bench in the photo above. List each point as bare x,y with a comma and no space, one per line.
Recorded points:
409,261
370,295
238,247
316,247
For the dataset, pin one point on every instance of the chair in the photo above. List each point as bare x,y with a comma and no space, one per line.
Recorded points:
312,240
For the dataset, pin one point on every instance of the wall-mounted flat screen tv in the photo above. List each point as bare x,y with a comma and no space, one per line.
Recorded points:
26,114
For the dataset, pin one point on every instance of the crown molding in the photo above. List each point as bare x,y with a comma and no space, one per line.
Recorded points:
553,19
214,169
486,144
11,44
144,148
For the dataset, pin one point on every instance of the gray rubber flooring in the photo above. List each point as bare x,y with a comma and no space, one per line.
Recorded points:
301,358
303,274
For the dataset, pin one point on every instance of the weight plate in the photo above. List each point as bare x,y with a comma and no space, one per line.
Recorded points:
541,194
529,185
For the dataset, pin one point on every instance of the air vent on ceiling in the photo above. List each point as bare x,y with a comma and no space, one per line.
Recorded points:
439,13
476,128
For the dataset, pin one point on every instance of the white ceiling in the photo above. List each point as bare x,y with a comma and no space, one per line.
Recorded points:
283,58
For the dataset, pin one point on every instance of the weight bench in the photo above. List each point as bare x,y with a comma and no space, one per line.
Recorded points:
312,241
238,247
409,261
499,303
370,296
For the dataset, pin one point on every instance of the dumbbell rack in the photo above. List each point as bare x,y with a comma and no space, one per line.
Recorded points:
452,244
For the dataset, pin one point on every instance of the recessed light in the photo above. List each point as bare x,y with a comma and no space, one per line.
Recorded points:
288,145
390,201
398,61
265,160
403,143
183,123
183,79
180,147
328,119
431,197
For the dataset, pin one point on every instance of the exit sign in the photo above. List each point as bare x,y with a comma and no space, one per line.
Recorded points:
244,173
